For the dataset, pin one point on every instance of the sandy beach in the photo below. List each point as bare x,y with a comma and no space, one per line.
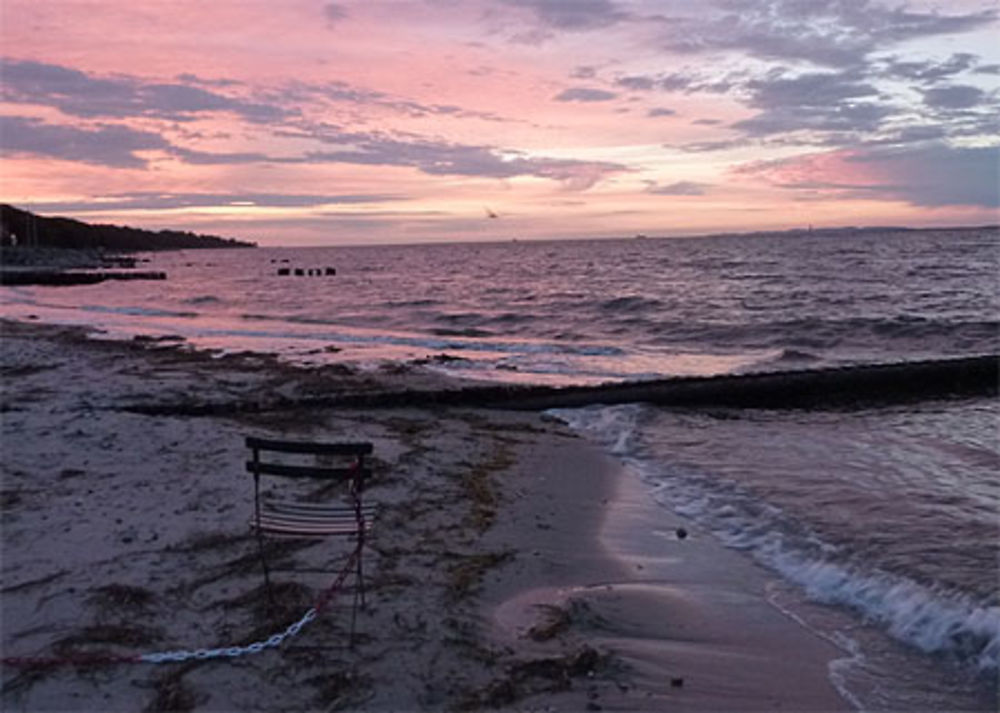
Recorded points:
513,565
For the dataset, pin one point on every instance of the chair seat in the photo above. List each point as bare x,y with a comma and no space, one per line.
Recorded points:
312,520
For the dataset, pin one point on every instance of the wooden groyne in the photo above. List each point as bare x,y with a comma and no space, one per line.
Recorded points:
844,387
67,277
307,271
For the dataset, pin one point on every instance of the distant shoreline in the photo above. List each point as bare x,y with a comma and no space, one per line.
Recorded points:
23,229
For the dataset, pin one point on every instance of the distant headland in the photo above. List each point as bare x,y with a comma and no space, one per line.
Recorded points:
23,228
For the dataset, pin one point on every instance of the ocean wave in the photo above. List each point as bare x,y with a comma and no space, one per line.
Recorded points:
395,304
933,619
440,339
507,318
138,311
629,303
202,300
500,320
470,332
816,333
295,320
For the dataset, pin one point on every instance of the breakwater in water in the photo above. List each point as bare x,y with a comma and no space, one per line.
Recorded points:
57,277
843,387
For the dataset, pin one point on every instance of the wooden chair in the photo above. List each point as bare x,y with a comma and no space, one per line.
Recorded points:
302,515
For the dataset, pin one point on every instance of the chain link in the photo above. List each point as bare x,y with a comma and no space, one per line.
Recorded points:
272,641
232,652
181,655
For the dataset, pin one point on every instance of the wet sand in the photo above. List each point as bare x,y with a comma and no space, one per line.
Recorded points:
687,619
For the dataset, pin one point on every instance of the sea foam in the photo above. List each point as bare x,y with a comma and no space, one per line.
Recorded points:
933,619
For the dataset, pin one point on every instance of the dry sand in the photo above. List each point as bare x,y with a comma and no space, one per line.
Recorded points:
513,566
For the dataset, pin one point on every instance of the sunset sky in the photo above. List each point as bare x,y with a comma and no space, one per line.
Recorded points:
303,122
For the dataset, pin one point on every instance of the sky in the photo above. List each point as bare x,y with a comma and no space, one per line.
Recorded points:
306,122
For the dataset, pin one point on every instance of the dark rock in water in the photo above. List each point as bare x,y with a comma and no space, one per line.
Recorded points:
681,533
57,278
437,359
797,355
677,682
121,261
150,339
306,271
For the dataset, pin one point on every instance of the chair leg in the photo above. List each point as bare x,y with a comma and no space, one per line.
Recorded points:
359,588
267,574
360,584
354,614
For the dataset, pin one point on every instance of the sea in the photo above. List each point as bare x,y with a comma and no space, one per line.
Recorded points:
879,525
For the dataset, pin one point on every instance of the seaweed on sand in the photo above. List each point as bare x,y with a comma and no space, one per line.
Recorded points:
116,596
534,676
466,574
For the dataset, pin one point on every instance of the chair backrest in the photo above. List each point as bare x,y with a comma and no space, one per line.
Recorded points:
262,461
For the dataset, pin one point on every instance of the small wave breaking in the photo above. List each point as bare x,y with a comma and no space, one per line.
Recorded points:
932,619
138,311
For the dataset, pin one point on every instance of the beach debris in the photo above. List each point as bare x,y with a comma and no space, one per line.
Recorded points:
555,621
466,574
542,675
338,690
116,596
172,694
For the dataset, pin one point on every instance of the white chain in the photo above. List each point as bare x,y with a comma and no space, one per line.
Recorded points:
230,651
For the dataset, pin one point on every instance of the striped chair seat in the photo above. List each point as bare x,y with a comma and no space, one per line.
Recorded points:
284,517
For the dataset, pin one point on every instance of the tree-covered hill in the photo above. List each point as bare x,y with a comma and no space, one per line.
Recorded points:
22,228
